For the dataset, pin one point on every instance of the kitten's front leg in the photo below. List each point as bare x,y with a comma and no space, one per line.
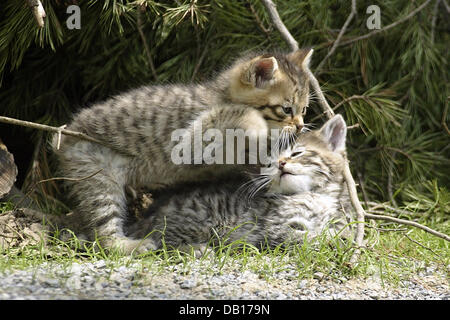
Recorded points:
243,130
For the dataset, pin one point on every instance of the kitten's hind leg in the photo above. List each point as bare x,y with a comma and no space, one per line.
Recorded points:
97,179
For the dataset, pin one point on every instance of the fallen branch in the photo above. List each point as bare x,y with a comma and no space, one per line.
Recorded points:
360,213
38,11
59,130
276,20
408,223
390,26
338,39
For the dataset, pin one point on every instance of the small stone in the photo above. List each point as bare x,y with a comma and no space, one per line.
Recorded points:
318,275
188,284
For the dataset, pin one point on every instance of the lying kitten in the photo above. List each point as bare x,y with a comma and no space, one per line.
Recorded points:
256,93
306,193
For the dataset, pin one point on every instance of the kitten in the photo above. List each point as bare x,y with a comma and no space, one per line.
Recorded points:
256,93
306,193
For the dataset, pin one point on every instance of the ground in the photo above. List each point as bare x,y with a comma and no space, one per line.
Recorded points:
35,265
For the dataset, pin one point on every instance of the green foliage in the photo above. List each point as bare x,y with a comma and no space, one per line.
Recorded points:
6,206
400,75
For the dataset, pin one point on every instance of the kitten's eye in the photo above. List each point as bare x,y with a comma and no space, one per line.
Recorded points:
297,154
287,110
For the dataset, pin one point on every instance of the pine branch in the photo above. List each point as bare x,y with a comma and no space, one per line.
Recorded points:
390,26
353,97
38,11
338,39
360,213
434,19
144,41
258,20
444,118
276,20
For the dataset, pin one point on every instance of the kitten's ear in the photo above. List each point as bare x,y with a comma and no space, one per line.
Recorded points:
261,72
302,57
334,131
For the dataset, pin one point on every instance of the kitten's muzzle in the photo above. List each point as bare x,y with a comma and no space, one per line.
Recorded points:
282,170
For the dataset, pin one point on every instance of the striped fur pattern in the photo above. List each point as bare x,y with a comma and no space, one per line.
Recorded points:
305,194
135,130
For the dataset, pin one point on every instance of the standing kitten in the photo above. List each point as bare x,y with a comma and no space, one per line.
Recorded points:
256,93
306,193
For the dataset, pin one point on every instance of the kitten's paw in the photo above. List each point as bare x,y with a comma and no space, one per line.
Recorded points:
199,250
129,246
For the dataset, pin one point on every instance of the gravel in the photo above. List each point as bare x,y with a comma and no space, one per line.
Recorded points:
102,280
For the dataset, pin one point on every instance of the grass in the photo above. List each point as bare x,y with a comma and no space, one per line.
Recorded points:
394,253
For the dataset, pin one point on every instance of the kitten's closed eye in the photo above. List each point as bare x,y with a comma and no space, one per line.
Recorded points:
297,154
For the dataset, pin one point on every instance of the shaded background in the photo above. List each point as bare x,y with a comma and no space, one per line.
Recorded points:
394,84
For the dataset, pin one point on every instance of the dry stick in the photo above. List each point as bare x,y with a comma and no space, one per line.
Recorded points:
320,97
446,6
276,20
330,113
390,26
409,223
338,39
421,245
38,11
44,127
144,41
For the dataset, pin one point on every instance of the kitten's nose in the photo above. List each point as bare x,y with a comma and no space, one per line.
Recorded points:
298,121
281,164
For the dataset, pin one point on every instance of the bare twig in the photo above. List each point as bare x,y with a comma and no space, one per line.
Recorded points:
363,189
447,7
408,223
375,205
276,20
421,245
360,213
359,237
356,125
144,41
38,11
320,97
338,39
390,26
49,128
